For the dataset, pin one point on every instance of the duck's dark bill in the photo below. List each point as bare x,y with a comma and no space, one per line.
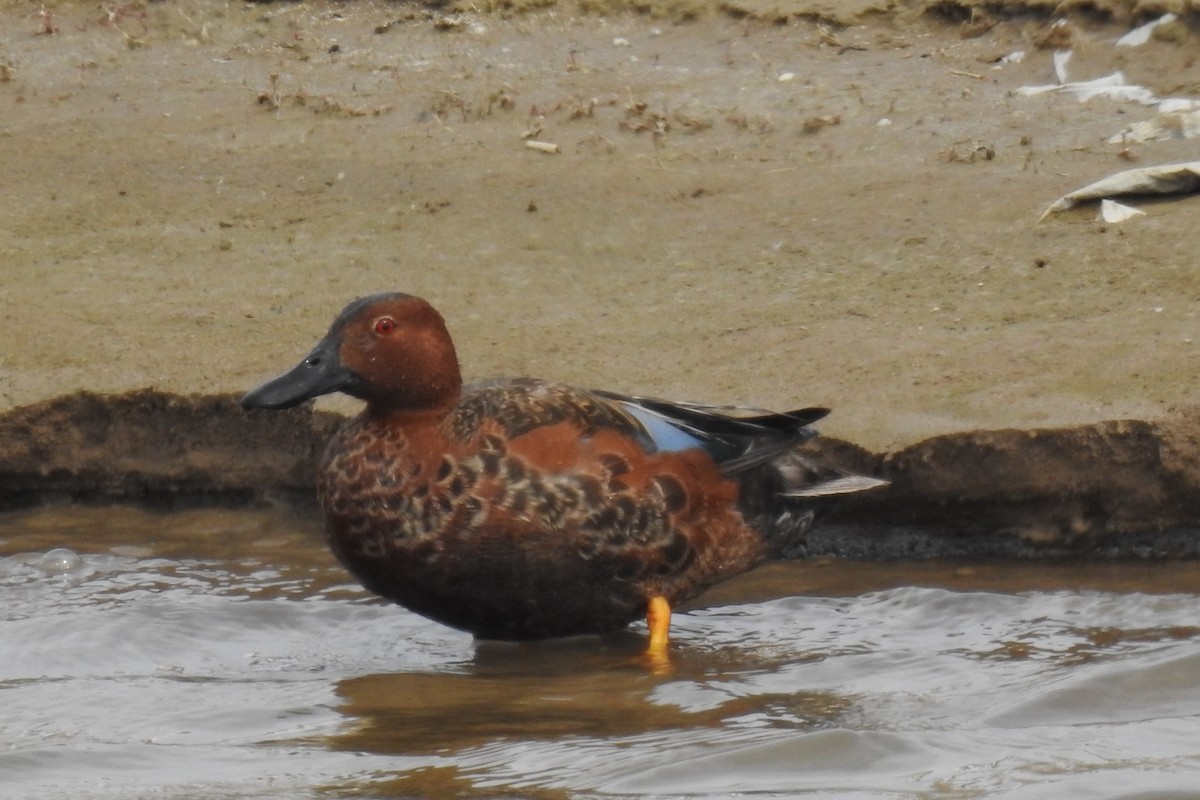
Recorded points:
321,373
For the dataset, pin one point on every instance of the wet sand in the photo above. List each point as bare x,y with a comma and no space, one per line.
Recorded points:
761,208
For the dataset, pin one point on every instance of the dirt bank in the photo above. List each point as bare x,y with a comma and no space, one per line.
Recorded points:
1110,489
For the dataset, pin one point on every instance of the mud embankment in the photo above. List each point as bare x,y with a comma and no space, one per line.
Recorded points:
1112,489
157,449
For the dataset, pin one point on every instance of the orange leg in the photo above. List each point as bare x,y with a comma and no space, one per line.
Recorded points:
658,619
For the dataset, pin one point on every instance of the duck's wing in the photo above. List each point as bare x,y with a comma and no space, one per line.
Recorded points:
738,439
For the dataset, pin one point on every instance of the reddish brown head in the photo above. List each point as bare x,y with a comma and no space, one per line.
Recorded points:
391,350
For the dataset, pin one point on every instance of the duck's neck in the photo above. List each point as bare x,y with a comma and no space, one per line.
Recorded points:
405,417
423,395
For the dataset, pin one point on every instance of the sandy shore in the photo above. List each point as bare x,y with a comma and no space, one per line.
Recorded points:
738,210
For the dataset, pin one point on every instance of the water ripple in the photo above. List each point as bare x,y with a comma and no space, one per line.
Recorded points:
218,666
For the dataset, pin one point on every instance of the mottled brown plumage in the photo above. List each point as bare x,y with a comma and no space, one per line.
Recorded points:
518,509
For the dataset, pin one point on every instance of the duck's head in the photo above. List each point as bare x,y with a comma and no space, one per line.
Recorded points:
391,350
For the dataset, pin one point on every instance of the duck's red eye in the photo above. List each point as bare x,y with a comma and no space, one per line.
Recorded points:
385,325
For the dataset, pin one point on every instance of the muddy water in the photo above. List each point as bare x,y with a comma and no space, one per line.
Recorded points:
222,654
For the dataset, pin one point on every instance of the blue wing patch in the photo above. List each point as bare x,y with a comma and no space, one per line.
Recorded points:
665,436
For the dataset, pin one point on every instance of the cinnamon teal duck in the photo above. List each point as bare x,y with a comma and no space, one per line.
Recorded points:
519,509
